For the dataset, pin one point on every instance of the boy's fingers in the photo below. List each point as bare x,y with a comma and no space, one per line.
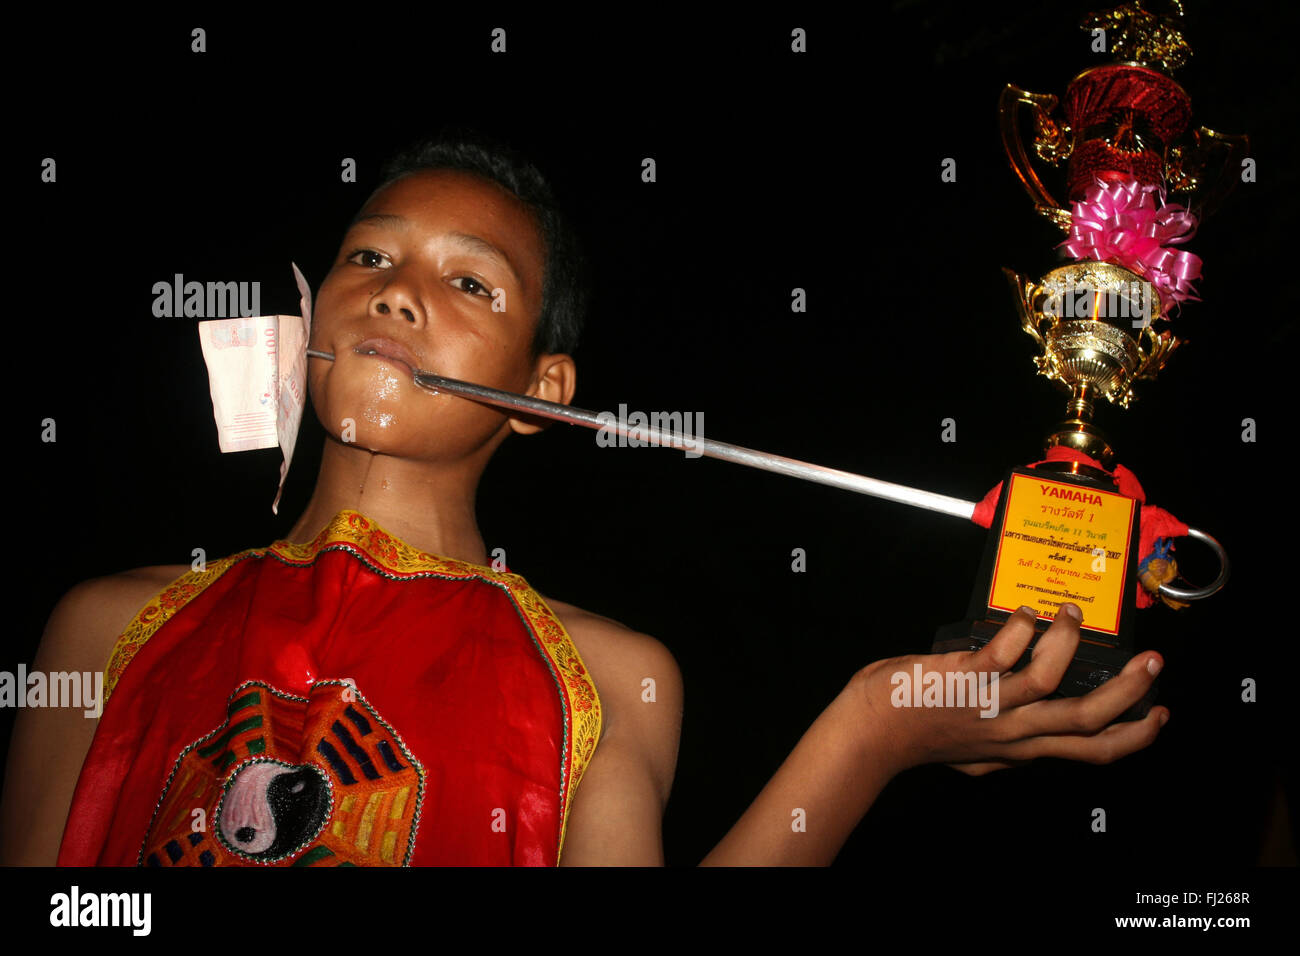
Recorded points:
1093,711
1114,742
1000,654
1052,655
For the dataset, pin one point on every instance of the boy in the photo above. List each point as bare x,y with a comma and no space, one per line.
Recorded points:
368,692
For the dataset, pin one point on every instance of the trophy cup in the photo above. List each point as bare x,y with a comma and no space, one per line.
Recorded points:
1075,526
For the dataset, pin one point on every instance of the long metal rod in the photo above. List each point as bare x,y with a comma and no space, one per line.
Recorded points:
707,447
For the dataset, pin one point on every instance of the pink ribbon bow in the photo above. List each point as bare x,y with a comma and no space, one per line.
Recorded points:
1119,222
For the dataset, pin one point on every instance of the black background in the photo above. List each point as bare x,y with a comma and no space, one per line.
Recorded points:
775,171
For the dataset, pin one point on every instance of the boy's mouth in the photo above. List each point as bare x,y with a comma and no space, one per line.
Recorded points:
392,352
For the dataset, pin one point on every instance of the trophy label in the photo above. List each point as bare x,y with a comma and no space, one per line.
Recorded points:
1063,542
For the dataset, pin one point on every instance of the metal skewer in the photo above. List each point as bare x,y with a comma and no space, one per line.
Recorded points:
705,446
766,461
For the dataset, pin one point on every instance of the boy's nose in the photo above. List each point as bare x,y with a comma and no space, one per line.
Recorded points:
399,297
384,309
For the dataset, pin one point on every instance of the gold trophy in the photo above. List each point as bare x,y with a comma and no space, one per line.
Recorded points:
1124,121
1064,529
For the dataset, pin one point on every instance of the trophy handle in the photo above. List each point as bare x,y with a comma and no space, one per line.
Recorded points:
1154,350
1182,594
1187,167
1050,141
1024,290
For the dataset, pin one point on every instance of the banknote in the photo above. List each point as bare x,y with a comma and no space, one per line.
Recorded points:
257,374
243,359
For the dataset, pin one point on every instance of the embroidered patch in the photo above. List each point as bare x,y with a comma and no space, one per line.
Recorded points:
320,780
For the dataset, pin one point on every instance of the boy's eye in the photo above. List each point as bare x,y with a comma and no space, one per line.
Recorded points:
472,286
367,258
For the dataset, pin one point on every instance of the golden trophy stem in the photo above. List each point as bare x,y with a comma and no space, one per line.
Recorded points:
1080,403
1079,433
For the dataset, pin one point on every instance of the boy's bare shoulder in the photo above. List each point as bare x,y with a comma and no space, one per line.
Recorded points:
606,638
617,657
127,590
95,612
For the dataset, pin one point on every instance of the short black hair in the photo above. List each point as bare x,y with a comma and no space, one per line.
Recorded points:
565,276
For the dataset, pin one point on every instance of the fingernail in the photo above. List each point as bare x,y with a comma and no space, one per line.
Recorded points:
1164,718
1153,666
1026,609
1073,611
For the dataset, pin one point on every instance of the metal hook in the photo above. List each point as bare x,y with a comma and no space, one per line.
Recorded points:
1180,594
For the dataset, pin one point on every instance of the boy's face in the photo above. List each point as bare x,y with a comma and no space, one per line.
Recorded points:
422,268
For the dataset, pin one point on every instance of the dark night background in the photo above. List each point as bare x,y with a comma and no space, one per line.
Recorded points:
774,171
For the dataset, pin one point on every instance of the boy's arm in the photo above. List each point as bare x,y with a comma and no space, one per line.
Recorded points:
817,797
49,744
859,743
617,812
618,807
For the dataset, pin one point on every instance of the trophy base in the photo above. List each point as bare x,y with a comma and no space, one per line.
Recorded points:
1092,666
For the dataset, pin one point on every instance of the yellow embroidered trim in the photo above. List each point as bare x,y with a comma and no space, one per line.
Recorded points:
580,702
390,553
583,712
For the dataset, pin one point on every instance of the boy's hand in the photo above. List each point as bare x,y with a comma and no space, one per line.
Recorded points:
1026,725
